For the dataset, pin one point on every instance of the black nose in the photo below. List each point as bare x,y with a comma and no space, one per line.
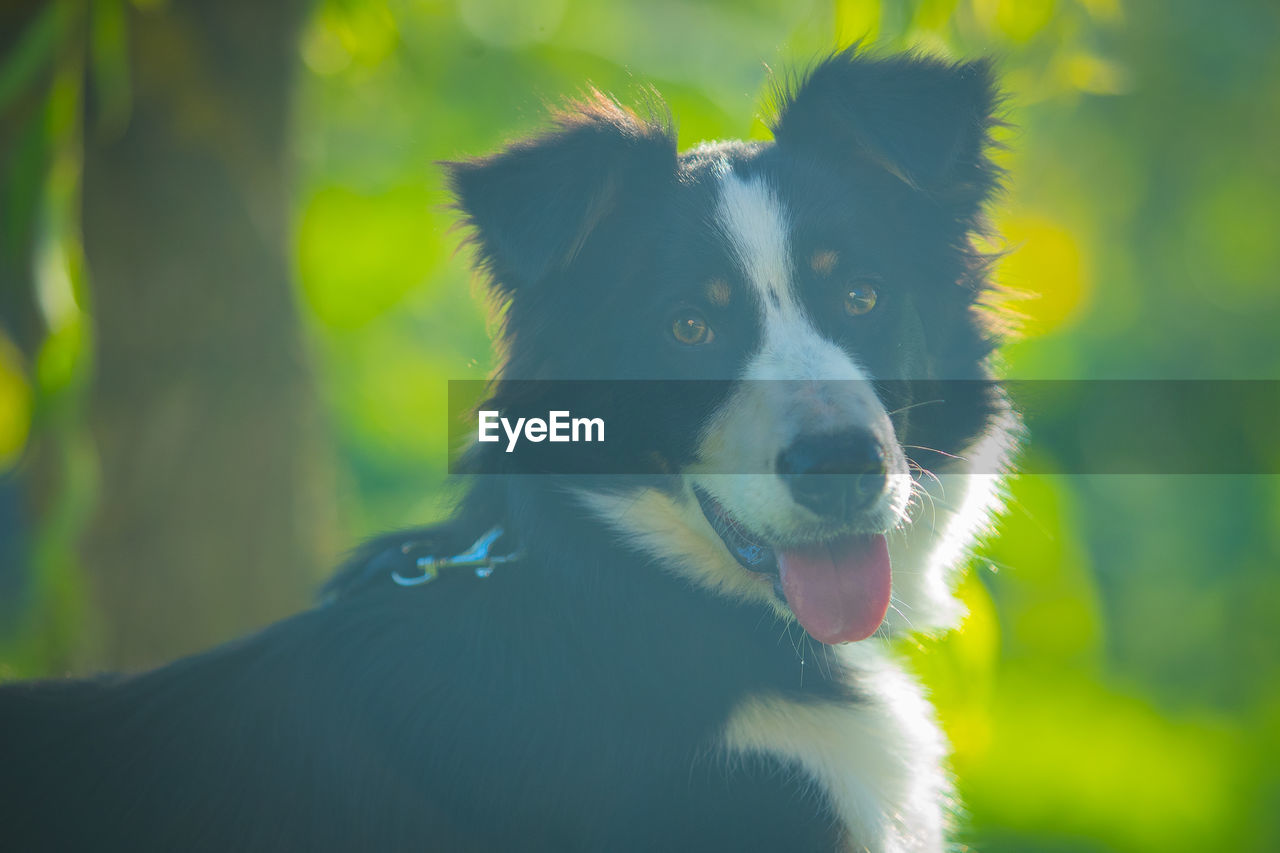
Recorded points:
837,474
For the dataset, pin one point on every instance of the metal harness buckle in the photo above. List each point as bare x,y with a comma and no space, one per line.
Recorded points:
477,558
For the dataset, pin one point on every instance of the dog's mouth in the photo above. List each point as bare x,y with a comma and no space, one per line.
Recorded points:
838,589
754,556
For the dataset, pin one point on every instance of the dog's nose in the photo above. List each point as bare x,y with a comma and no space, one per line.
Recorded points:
837,474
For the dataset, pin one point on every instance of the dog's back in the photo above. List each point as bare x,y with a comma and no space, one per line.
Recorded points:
446,718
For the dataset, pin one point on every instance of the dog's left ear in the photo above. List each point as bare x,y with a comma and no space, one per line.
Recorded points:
924,120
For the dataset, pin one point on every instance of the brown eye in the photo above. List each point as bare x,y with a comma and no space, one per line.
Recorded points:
691,329
860,299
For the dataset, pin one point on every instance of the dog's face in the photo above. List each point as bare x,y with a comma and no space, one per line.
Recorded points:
823,285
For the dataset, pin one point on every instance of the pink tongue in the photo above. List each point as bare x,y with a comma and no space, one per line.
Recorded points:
839,590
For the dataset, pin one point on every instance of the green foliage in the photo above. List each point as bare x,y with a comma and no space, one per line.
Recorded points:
41,393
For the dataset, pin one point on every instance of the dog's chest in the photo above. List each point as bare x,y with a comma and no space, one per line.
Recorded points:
877,762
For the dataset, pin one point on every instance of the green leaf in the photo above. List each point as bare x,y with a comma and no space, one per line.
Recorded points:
32,55
109,64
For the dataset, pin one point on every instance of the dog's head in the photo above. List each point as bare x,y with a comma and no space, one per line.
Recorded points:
824,284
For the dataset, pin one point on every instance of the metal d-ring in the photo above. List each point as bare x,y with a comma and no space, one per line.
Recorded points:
476,557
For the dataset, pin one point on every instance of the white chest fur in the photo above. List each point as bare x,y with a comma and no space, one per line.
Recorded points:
878,762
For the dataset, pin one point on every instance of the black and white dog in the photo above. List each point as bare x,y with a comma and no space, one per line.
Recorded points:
688,655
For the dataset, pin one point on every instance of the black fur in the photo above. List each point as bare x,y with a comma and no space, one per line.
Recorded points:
571,701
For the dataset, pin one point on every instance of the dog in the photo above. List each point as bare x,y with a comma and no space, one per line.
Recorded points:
690,650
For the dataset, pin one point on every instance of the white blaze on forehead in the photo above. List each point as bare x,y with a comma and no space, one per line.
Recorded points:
758,230
757,226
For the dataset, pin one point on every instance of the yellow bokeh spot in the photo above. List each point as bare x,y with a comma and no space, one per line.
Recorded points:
1018,20
341,34
359,254
1095,75
15,405
958,669
1047,262
857,20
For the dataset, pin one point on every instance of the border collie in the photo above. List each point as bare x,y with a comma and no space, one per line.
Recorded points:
690,654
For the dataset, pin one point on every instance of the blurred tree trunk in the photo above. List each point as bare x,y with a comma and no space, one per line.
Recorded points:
212,497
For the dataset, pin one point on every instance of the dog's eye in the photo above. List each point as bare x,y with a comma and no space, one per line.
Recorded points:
860,299
691,329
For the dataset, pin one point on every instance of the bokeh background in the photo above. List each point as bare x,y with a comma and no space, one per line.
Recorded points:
230,301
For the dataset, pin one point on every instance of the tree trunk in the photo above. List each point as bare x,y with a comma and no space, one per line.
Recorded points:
212,492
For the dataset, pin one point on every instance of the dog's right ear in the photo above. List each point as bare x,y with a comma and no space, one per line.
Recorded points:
924,120
536,204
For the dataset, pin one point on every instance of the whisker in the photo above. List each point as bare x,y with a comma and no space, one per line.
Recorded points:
911,406
894,608
911,463
936,450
